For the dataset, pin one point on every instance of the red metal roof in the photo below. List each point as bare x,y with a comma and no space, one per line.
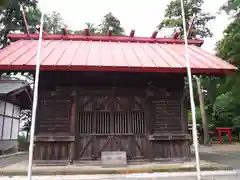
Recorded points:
110,56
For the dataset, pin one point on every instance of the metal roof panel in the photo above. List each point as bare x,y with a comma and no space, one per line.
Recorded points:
97,55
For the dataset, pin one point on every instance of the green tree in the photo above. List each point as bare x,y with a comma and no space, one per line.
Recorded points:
227,104
25,118
53,23
231,7
4,3
33,16
228,49
11,19
91,28
111,21
173,17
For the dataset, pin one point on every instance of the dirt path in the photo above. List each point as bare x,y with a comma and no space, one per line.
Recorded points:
222,154
8,160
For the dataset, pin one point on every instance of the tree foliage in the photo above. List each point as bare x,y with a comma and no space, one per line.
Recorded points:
53,23
25,119
227,105
91,28
10,19
108,21
173,17
222,97
231,7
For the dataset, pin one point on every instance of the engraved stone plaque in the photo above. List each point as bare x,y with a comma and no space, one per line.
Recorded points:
113,159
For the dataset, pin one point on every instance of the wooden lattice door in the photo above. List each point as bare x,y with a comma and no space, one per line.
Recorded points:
110,121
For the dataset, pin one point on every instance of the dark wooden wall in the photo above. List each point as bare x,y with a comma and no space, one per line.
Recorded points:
81,114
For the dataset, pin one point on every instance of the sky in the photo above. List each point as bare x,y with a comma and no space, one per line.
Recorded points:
141,15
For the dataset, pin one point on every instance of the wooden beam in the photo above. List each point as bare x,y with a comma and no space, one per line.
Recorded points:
103,147
73,125
86,146
24,19
190,28
149,129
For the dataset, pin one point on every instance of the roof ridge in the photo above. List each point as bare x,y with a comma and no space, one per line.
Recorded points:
127,39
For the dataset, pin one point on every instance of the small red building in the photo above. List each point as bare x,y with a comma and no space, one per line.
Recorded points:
106,93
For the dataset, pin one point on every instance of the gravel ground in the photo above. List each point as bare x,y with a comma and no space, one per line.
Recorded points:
156,176
231,158
6,161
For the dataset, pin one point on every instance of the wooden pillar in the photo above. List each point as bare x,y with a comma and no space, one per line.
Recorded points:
148,108
149,127
184,120
73,126
130,126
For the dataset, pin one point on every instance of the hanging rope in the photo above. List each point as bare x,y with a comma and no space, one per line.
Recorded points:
193,108
35,100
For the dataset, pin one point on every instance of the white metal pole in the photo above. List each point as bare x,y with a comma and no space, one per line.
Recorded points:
35,101
193,108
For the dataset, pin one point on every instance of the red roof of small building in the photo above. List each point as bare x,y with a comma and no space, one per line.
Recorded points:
109,53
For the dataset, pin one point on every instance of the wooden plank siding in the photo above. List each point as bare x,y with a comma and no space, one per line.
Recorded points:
53,129
77,122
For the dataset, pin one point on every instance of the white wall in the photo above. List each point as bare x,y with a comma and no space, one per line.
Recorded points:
9,121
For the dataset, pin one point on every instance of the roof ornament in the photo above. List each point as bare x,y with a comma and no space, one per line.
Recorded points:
64,29
177,32
38,29
86,32
110,31
154,34
132,33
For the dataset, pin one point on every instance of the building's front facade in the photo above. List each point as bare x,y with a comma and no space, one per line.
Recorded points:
110,94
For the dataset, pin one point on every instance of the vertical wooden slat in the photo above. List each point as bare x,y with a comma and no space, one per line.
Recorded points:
111,105
95,118
184,120
73,125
